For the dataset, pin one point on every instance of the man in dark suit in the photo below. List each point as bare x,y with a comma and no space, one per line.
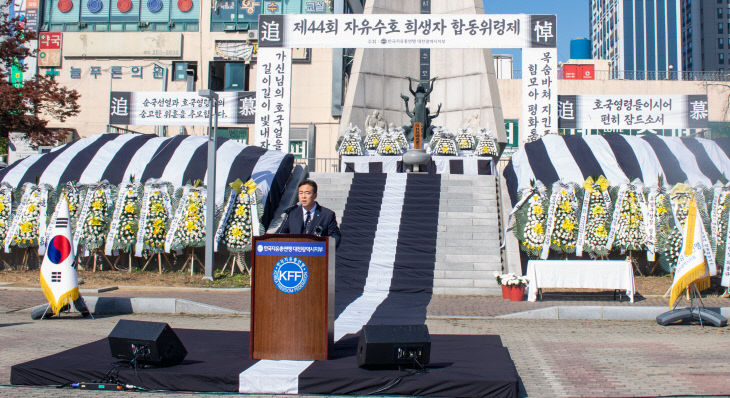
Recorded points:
309,217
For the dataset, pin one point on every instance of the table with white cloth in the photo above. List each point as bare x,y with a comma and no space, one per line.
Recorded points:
468,165
579,274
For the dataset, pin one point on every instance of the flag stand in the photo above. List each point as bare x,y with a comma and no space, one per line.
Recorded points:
696,311
79,304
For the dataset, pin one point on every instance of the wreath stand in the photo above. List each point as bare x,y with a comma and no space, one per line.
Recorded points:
28,251
696,311
236,260
7,264
191,259
634,264
119,257
93,254
160,256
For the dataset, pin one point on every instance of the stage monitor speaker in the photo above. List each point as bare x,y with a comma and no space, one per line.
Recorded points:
149,343
393,346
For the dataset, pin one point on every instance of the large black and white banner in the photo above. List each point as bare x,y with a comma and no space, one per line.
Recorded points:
539,92
633,111
621,158
407,31
179,108
273,98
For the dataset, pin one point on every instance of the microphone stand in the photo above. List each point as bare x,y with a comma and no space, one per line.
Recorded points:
286,218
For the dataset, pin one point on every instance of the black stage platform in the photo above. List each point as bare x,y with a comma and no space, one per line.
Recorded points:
461,366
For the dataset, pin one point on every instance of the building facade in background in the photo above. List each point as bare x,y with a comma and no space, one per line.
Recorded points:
100,46
641,38
706,35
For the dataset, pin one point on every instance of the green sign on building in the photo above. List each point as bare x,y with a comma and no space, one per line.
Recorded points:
16,75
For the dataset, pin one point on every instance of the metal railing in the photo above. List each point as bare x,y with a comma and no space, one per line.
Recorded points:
320,165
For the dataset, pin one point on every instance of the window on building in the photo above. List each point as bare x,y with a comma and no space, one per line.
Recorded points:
720,43
236,134
228,76
721,59
719,28
181,70
719,12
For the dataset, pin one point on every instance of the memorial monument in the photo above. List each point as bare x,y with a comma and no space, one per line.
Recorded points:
466,85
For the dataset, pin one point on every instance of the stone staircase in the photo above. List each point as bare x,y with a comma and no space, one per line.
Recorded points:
468,240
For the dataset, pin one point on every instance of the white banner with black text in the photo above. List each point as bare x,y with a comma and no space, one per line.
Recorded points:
407,31
273,98
633,111
179,108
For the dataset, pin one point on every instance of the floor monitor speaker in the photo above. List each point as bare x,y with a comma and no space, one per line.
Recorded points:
393,346
148,343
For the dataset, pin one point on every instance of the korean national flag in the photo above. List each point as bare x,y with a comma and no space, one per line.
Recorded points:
58,277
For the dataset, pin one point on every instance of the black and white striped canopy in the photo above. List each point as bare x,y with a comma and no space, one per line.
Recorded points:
621,158
178,160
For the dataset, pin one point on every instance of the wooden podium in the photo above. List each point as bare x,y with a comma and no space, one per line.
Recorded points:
292,297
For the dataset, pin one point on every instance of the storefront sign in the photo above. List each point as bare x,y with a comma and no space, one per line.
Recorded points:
49,49
579,72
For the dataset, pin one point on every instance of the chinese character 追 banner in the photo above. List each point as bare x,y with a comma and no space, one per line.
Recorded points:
179,108
273,98
407,31
633,111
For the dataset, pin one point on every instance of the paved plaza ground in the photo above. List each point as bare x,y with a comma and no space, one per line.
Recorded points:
554,358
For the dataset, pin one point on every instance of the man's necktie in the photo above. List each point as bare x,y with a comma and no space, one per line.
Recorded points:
307,220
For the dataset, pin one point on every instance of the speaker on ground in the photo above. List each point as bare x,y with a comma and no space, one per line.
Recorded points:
389,346
146,343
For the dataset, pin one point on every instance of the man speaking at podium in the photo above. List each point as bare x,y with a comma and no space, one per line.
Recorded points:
308,217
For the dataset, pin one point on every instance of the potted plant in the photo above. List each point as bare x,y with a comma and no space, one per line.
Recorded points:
513,286
516,288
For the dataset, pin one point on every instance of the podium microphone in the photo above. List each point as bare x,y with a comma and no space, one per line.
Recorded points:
286,218
318,230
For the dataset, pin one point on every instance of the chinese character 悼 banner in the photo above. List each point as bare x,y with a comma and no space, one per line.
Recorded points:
179,108
633,111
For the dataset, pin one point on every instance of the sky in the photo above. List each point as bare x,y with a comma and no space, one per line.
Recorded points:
572,20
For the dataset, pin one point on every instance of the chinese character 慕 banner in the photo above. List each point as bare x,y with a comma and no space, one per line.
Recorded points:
179,108
633,111
273,99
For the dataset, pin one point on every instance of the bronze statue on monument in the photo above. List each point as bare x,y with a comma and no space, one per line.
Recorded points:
420,129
